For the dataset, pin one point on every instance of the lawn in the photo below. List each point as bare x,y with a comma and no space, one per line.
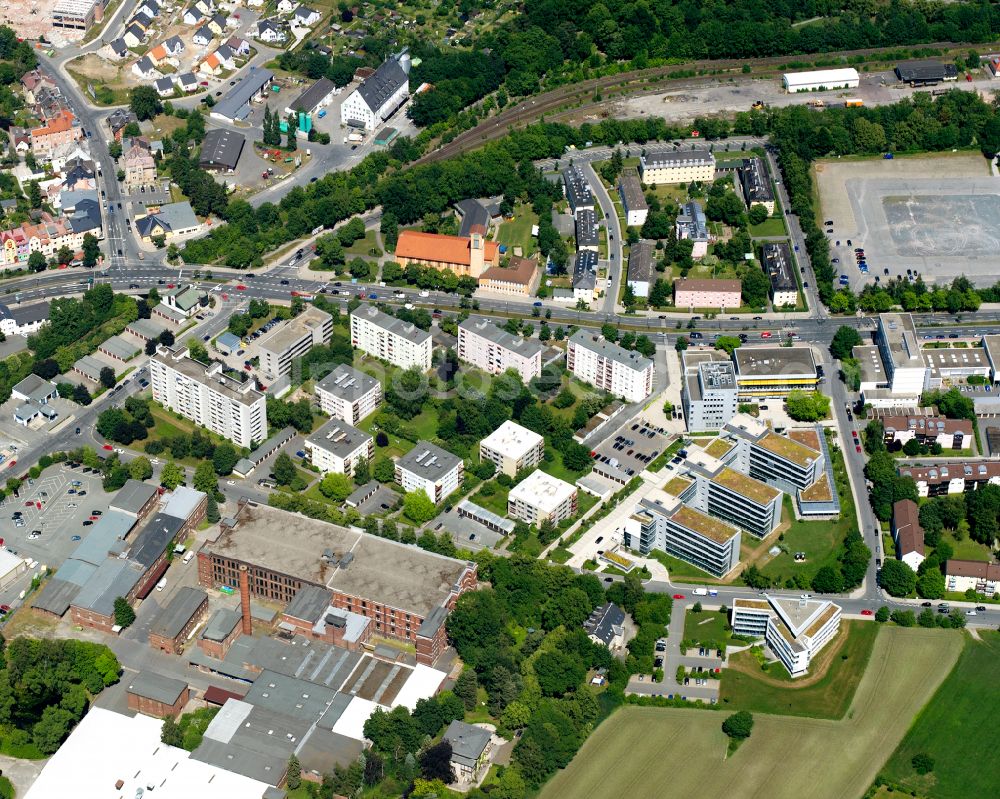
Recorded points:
772,226
516,232
683,569
397,446
682,752
828,697
967,549
364,245
496,503
166,425
965,764
707,627
820,540
556,469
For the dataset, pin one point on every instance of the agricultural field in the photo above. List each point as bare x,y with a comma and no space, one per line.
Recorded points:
647,753
965,764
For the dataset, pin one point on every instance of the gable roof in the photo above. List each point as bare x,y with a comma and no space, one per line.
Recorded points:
520,271
906,524
437,247
377,88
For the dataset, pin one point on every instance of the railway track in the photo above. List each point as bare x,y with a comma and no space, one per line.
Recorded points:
626,84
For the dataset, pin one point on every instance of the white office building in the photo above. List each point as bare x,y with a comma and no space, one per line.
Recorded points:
431,469
709,394
512,448
379,95
541,496
680,166
390,339
899,346
665,523
607,366
230,408
348,394
293,339
795,628
338,446
494,350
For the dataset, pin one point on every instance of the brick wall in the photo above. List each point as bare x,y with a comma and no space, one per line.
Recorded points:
150,707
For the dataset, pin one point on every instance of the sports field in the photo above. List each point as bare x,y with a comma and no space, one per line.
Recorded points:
965,757
648,753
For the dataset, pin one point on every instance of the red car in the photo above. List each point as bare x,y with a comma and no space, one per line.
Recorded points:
857,447
225,296
95,518
678,596
241,288
108,447
12,464
867,612
5,608
170,285
766,334
38,505
29,503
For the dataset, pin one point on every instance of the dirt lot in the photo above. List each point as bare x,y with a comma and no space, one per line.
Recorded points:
935,215
100,71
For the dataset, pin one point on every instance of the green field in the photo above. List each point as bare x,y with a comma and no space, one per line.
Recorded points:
827,698
707,627
649,753
772,226
965,760
517,231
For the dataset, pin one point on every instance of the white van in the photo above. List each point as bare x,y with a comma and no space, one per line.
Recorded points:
162,584
188,556
700,592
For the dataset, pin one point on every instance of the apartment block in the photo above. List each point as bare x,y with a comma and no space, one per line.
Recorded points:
494,350
787,462
512,448
953,477
389,339
755,183
795,629
780,268
949,433
633,200
292,340
577,190
681,166
981,577
664,522
348,394
338,446
540,497
231,408
718,293
429,468
607,366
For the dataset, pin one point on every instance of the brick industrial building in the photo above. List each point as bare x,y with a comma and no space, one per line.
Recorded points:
407,592
155,695
174,623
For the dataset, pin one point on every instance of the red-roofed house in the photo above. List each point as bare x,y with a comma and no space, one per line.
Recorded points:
463,256
56,132
907,533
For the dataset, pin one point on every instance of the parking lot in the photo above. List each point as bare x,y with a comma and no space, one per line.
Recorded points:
45,534
629,451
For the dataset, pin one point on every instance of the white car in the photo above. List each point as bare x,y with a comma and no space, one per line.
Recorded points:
425,294
230,482
408,306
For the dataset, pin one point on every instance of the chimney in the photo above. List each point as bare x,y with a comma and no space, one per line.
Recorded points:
245,600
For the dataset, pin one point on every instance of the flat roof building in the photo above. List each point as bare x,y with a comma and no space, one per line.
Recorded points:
407,591
135,499
899,346
541,497
157,696
774,371
780,268
709,395
512,448
925,73
494,350
623,373
795,629
348,394
954,364
293,339
665,523
228,407
431,469
402,344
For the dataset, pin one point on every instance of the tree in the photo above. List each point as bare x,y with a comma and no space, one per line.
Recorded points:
467,689
80,395
171,476
145,102
205,479
170,733
922,763
930,584
682,344
727,344
757,214
212,510
173,253
91,250
898,578
827,581
384,470
107,377
739,725
284,470
37,262
224,459
558,673
435,762
140,468
807,406
882,614
52,728
124,615
844,341
418,507
362,472
34,194
293,776
337,487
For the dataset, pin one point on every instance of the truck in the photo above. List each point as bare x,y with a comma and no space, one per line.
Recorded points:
817,103
354,137
854,102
